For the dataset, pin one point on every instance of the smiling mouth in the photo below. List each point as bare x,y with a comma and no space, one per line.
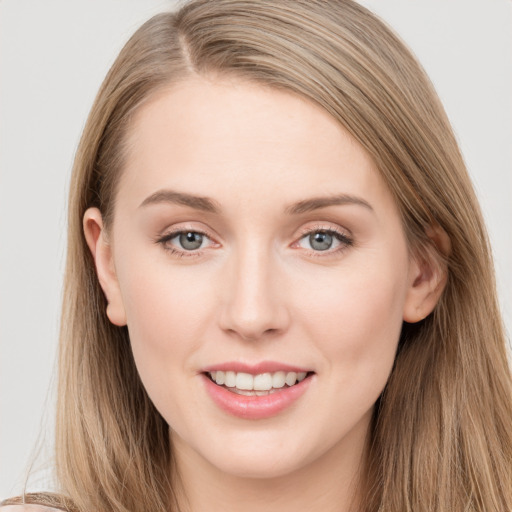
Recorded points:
256,385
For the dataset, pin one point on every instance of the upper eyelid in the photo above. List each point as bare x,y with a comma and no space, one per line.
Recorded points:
328,227
302,232
173,231
176,232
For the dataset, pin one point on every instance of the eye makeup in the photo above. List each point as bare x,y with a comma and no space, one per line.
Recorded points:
318,241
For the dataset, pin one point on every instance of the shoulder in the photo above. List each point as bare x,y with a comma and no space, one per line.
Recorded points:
28,508
38,502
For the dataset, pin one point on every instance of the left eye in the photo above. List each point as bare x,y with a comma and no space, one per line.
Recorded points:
322,240
188,240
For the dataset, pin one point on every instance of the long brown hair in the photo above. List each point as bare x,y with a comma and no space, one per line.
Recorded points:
441,438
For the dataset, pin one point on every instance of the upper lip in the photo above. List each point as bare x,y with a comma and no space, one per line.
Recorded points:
254,368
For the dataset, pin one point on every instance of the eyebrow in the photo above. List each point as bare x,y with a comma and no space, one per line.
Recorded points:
209,205
171,196
317,203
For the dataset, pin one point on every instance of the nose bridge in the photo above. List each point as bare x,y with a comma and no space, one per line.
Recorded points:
254,305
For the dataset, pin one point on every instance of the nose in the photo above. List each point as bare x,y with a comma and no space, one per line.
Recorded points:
254,304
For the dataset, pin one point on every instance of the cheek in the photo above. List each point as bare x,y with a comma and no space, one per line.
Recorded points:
357,323
166,311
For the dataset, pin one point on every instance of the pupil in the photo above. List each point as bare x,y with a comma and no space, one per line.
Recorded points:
320,241
191,241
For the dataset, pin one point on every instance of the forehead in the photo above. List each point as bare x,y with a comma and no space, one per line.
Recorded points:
221,136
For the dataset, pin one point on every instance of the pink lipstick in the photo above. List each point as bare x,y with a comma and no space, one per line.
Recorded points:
255,391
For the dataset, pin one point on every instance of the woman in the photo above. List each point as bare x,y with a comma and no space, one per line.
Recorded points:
278,278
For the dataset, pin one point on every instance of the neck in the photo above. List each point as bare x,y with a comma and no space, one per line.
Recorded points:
329,483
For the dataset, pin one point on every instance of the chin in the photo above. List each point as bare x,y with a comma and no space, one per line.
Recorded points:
258,467
271,455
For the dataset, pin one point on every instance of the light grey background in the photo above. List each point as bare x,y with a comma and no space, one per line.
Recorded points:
53,57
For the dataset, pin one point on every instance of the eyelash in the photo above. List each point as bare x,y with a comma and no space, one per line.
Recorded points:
345,241
177,252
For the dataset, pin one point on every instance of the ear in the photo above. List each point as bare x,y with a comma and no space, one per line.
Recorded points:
428,273
101,251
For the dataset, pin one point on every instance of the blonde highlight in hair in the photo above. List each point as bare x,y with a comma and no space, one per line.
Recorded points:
441,437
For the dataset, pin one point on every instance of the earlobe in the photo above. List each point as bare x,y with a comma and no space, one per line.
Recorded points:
428,274
101,251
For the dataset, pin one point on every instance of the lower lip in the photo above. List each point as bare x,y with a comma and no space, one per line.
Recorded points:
255,407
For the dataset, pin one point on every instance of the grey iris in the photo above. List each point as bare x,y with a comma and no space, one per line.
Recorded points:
320,240
191,240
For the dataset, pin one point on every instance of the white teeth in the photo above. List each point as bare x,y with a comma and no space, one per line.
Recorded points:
261,383
244,381
278,379
230,380
291,378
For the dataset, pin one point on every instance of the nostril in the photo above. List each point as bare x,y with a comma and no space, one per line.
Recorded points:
253,313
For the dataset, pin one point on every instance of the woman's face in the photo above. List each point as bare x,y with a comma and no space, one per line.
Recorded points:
255,243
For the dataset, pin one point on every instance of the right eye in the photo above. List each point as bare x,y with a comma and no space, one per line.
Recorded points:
185,242
188,240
